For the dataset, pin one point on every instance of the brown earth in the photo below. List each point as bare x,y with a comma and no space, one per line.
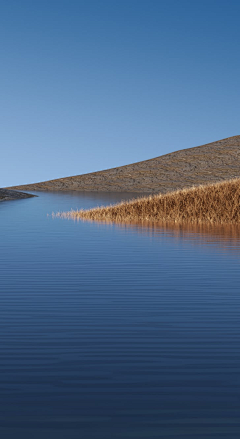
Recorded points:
209,163
6,195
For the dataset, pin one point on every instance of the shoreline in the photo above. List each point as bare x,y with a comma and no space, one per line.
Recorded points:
8,195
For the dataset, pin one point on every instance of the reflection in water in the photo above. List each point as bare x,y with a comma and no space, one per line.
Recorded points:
116,331
223,236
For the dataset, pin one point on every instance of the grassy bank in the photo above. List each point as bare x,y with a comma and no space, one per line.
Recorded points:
212,203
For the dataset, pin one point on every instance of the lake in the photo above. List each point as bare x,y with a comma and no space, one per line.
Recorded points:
116,332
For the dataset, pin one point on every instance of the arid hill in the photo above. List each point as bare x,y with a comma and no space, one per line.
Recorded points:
6,195
209,163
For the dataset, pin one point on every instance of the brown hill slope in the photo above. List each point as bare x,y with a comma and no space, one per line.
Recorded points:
181,169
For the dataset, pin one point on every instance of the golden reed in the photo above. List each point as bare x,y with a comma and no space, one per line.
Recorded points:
211,203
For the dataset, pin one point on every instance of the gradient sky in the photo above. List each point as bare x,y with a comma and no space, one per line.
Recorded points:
91,84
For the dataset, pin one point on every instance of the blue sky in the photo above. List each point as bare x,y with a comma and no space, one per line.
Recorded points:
88,85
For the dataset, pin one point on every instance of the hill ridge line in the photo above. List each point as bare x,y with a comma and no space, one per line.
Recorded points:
208,163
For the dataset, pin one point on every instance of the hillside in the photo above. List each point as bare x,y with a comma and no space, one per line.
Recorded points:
6,195
181,169
212,203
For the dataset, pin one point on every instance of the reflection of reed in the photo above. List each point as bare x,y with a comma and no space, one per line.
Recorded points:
213,204
218,231
224,232
223,236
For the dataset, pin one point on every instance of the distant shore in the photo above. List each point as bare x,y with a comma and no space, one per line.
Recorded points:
8,195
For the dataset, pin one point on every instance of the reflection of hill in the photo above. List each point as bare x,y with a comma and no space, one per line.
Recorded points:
181,169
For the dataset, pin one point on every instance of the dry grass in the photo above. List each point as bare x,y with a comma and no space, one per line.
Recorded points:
212,203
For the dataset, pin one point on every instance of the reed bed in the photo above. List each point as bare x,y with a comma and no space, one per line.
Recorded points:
211,203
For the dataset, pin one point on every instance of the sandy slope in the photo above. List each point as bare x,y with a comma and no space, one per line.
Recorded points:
209,163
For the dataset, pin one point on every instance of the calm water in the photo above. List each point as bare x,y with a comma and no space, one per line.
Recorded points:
115,332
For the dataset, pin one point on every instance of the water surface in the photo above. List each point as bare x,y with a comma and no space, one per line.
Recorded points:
116,332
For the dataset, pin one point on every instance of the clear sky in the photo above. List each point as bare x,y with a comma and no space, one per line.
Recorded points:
91,84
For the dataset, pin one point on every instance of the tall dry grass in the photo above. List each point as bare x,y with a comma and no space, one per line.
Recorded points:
213,203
